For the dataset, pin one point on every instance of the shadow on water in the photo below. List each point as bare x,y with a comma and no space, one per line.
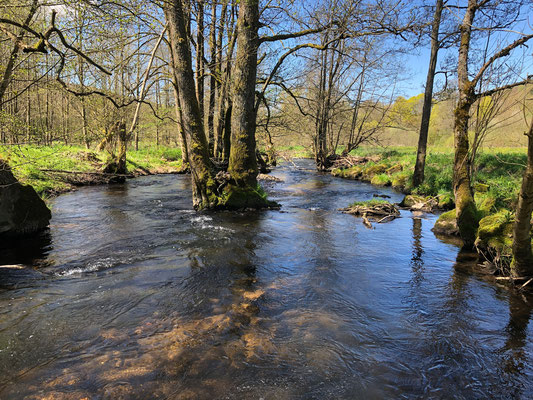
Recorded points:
144,298
28,251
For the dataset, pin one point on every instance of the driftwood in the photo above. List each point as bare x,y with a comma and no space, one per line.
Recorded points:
350,161
366,222
381,212
525,284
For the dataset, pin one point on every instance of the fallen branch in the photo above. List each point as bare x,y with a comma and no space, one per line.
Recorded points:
60,171
366,222
525,284
510,278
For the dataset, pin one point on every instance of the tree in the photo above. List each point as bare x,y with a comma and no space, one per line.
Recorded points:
242,161
203,177
466,212
522,264
418,175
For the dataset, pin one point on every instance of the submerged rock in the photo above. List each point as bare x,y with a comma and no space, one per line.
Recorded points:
22,211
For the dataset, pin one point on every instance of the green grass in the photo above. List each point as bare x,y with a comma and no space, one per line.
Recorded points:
295,152
500,169
369,203
29,161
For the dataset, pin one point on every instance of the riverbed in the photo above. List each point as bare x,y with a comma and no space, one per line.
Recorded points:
132,294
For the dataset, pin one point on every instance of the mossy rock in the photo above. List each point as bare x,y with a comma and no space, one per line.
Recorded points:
394,169
447,224
337,172
348,173
446,201
353,172
412,199
485,204
481,187
370,171
22,211
400,180
381,180
495,234
238,198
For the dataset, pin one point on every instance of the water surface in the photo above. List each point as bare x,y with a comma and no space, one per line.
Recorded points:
132,294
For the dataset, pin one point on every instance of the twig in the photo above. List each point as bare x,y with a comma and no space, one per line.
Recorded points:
525,284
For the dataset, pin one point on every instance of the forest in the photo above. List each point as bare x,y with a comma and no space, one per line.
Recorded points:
266,199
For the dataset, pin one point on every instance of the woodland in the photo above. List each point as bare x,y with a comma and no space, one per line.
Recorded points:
231,101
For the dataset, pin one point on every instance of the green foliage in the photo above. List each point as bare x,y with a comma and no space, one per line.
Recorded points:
369,203
29,161
381,180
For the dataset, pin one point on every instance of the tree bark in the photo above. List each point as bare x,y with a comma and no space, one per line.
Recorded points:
418,175
467,216
204,185
212,81
200,68
242,162
522,264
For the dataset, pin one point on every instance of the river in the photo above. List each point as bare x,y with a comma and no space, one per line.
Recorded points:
134,295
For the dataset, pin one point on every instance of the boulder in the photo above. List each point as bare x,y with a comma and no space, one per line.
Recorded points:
22,211
495,234
447,224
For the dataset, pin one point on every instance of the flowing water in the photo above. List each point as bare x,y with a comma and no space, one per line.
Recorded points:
133,295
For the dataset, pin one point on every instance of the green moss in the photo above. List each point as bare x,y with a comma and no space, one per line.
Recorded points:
369,203
446,201
447,224
485,203
348,173
481,187
400,180
236,198
370,170
381,180
495,233
410,200
394,169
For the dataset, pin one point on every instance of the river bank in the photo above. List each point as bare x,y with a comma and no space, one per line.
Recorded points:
53,170
496,183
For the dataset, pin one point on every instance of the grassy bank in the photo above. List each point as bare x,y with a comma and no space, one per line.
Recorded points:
497,175
496,182
30,162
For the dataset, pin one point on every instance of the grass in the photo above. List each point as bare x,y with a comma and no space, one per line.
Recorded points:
295,152
498,172
369,203
29,161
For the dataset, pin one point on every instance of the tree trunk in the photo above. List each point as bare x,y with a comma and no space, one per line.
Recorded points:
242,162
204,185
418,176
522,264
212,80
122,142
179,123
467,216
226,146
200,69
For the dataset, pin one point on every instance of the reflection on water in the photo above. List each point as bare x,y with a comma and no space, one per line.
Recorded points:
137,296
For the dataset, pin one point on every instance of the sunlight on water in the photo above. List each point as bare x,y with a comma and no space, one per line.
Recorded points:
133,295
